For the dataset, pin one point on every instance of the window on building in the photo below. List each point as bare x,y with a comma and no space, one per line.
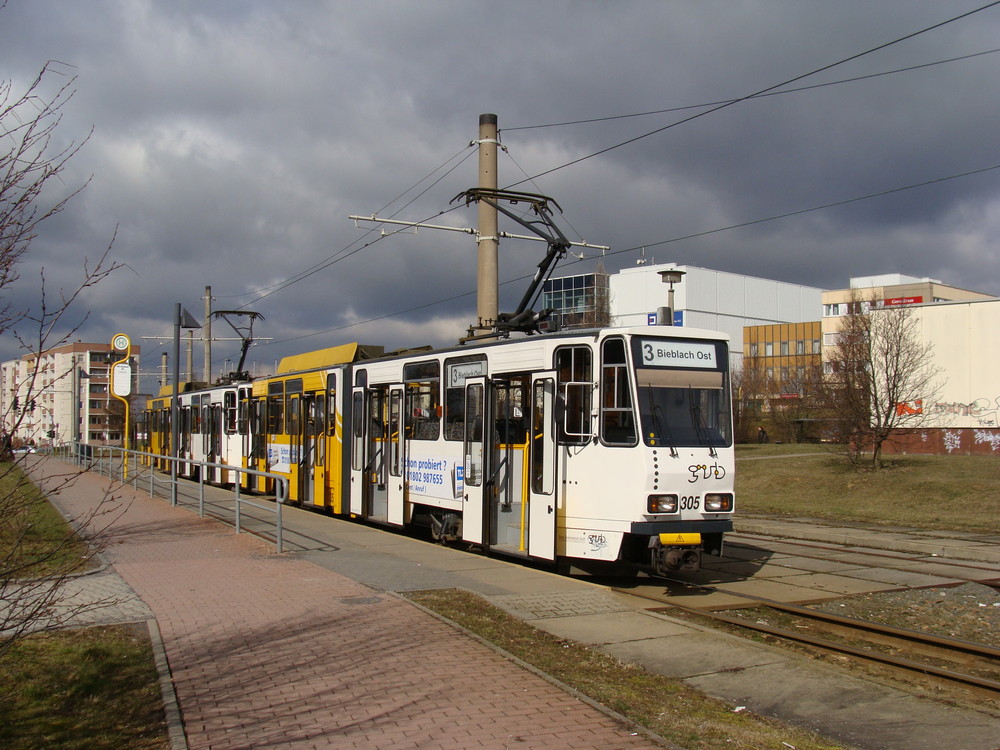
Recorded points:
769,349
784,348
800,347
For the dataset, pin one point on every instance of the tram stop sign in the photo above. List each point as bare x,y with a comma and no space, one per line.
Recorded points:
121,379
121,373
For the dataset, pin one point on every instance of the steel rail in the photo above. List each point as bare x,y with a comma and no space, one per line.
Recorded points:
947,645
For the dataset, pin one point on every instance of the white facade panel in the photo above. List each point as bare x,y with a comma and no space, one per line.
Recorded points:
967,352
712,299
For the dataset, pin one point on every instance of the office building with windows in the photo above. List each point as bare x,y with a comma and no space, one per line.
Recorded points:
63,395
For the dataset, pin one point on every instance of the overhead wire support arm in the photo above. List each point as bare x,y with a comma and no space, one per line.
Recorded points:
467,230
524,318
245,332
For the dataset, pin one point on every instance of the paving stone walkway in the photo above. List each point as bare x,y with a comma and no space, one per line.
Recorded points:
267,651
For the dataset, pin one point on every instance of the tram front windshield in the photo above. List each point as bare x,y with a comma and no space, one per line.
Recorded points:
682,407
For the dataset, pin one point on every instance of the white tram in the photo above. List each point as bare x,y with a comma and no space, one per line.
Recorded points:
605,450
610,446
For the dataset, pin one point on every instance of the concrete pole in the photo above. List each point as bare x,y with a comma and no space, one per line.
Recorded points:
190,357
487,305
207,334
163,369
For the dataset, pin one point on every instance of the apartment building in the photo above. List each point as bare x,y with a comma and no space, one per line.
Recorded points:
63,395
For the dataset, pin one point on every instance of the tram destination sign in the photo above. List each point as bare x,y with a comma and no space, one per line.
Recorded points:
664,353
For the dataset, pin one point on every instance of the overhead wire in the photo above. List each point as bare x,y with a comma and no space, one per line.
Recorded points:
770,90
342,253
798,89
763,91
634,248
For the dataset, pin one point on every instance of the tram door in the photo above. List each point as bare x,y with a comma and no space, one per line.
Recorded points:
542,472
508,461
369,467
509,467
474,463
304,445
396,456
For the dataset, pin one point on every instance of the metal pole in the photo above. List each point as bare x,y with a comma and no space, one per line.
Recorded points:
207,333
487,304
174,410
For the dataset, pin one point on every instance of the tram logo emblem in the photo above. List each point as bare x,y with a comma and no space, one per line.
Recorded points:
597,541
704,471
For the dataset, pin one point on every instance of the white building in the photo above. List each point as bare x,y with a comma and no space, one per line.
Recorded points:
62,395
964,415
705,298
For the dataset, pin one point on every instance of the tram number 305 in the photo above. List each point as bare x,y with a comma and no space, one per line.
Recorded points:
690,502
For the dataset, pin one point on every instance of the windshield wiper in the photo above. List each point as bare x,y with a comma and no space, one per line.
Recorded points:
662,426
699,423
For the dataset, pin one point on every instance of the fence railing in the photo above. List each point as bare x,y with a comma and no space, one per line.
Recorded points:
131,466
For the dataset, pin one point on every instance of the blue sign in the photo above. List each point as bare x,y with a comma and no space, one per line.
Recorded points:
678,318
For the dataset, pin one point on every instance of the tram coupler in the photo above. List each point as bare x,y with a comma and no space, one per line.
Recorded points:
677,552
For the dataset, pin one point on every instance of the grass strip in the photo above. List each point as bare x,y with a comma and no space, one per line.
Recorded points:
664,705
35,539
958,493
84,689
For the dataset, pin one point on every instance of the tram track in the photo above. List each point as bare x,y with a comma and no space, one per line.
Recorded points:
908,557
949,661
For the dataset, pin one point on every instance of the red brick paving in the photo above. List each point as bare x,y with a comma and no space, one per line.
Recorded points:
269,651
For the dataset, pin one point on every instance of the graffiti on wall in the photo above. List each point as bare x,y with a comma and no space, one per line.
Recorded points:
983,411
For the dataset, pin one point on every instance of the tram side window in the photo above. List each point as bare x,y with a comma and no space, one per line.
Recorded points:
230,406
423,404
357,430
617,414
316,424
276,408
457,371
574,365
242,414
292,420
331,405
474,447
293,404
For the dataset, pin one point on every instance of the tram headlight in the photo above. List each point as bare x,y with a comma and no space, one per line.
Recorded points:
718,502
661,504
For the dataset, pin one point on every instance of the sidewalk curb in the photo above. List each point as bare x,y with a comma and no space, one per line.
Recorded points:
171,709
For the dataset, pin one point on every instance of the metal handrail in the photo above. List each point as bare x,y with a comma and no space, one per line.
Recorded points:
82,452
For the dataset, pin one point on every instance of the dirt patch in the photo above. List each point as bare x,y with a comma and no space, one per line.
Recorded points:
970,612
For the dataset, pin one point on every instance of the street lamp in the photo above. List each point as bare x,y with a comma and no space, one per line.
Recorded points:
182,319
665,316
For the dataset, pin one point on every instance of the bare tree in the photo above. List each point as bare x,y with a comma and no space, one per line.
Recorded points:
797,405
35,569
881,374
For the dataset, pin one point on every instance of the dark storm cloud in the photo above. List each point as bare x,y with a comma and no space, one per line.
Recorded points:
232,139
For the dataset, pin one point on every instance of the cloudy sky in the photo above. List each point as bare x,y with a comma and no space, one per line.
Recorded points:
231,139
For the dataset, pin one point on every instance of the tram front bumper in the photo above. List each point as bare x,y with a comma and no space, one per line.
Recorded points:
673,546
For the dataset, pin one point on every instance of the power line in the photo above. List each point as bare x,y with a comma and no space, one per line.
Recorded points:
756,96
633,249
800,211
762,91
342,254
